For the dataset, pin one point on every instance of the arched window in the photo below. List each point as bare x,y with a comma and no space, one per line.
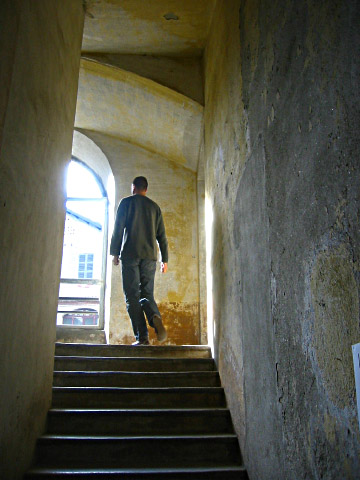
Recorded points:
82,282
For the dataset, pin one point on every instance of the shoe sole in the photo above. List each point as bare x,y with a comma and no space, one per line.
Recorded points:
161,332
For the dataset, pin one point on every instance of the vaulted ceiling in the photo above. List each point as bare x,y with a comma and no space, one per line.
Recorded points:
140,76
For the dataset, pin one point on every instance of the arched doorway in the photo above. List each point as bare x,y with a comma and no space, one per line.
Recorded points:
83,269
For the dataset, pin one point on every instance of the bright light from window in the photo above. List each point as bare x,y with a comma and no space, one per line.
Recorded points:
209,217
81,183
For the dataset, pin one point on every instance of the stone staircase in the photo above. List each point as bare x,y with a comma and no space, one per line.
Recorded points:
123,412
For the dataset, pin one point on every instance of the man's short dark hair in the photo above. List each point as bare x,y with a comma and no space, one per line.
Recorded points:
140,183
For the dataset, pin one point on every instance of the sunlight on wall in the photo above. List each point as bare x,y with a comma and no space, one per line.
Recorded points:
209,278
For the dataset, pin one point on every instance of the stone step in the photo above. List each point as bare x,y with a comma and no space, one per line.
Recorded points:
136,379
91,350
230,472
139,422
112,397
129,364
138,452
123,412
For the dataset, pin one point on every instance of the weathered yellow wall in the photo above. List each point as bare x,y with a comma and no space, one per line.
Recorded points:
40,51
174,189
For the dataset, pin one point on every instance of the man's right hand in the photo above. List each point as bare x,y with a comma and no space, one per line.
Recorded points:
115,260
163,267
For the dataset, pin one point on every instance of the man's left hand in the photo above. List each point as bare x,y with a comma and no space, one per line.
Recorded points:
115,260
163,267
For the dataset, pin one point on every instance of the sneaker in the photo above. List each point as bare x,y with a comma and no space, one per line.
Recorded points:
159,328
141,342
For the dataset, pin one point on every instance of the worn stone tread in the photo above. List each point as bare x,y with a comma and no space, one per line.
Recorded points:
138,452
132,379
139,364
183,351
147,397
145,422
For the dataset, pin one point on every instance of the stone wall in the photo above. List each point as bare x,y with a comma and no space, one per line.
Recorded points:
174,188
40,51
282,175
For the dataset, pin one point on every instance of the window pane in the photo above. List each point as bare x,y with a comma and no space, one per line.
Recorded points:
79,304
82,263
83,246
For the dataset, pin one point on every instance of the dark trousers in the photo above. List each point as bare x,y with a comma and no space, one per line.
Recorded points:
138,277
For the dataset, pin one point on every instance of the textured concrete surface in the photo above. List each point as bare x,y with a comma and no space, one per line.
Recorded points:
122,104
176,27
282,150
174,189
40,45
182,74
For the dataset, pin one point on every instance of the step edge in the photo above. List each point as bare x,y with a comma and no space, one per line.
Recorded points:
95,438
115,346
139,389
127,372
134,358
139,410
138,470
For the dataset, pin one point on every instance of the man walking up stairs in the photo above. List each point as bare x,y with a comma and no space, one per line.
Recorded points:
120,412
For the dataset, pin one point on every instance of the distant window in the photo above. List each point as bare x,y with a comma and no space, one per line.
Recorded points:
86,265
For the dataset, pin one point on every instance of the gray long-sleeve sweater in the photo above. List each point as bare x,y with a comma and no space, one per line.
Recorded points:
138,225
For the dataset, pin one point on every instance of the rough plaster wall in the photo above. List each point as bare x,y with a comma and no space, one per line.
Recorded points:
224,152
181,74
174,189
282,154
37,122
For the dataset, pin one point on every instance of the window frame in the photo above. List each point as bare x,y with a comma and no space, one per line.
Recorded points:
92,281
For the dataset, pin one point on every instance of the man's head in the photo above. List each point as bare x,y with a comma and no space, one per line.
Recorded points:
139,185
